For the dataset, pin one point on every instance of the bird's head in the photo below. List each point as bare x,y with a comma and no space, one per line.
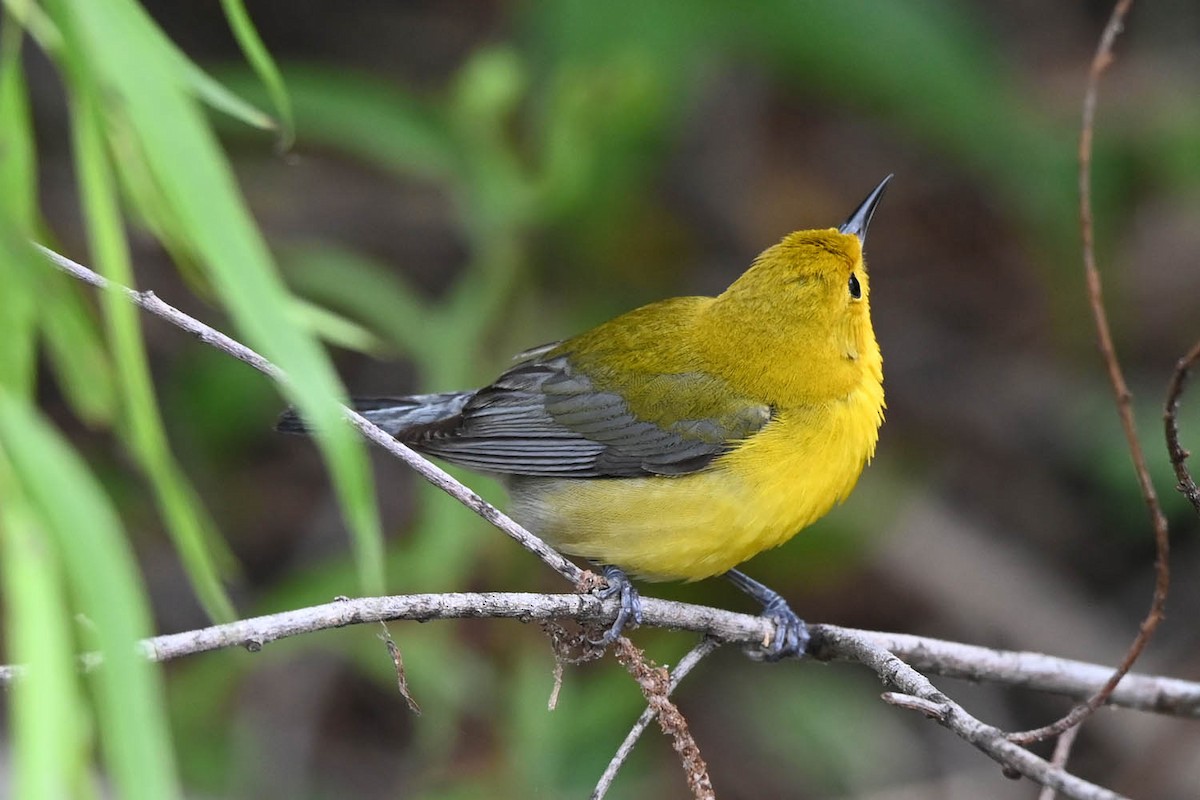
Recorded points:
800,316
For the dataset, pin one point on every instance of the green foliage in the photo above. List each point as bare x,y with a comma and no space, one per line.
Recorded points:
50,751
264,66
133,100
556,134
59,502
194,534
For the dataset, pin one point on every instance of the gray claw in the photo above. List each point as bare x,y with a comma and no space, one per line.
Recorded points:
631,604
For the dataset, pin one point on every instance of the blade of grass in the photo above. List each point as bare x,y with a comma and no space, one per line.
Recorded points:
200,548
335,328
18,159
18,310
75,350
260,60
107,589
18,193
207,89
31,295
32,19
219,97
48,721
145,204
365,118
123,52
379,298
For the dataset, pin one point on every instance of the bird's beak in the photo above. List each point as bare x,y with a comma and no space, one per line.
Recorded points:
861,218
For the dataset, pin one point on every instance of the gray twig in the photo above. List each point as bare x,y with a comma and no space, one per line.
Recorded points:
1121,394
950,659
1062,753
1179,455
926,698
694,656
150,302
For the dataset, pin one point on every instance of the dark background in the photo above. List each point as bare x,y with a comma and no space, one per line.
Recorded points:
472,179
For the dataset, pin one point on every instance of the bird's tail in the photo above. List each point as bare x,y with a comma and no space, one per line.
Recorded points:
394,414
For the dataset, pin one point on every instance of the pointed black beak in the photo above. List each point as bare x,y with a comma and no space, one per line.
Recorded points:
861,218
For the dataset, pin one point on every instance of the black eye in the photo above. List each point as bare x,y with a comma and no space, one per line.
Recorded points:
855,289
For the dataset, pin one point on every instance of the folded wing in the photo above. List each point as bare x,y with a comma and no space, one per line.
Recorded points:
544,418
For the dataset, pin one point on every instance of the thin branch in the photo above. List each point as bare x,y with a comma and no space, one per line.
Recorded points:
1179,456
656,687
694,656
1039,672
864,647
928,700
1124,398
401,674
1062,753
148,301
934,711
950,659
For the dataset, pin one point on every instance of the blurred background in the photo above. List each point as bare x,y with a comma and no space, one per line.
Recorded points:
469,180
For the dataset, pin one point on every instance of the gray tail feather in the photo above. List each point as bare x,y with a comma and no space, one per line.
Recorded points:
393,414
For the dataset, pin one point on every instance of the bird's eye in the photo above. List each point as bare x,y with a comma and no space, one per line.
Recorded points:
855,289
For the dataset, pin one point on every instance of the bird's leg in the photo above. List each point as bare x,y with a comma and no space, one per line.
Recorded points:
631,603
791,634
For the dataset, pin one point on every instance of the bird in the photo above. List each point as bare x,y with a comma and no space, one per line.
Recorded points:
678,440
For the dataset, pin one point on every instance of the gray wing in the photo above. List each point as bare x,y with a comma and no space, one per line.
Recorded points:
541,418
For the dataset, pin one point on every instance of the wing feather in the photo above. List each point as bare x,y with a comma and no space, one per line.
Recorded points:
543,418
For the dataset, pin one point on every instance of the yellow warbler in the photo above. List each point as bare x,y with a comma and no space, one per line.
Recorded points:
680,439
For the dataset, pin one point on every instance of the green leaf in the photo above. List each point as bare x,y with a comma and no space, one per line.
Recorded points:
106,586
366,118
18,160
335,328
18,199
75,348
125,55
210,91
47,712
362,287
219,97
260,59
32,294
193,533
18,309
32,19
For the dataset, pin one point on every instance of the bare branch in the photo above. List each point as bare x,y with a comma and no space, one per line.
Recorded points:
925,697
950,659
1062,753
1124,398
656,686
150,302
401,675
1175,450
936,711
1037,671
694,656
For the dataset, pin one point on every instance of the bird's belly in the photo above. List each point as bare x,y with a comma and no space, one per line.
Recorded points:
693,526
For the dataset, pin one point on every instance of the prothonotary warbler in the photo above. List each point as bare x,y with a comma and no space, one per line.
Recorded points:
680,439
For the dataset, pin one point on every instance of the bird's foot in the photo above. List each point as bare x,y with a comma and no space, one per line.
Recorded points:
630,609
791,633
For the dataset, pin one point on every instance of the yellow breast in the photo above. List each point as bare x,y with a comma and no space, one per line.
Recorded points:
694,526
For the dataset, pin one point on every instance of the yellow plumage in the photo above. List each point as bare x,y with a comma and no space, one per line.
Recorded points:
814,361
682,438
